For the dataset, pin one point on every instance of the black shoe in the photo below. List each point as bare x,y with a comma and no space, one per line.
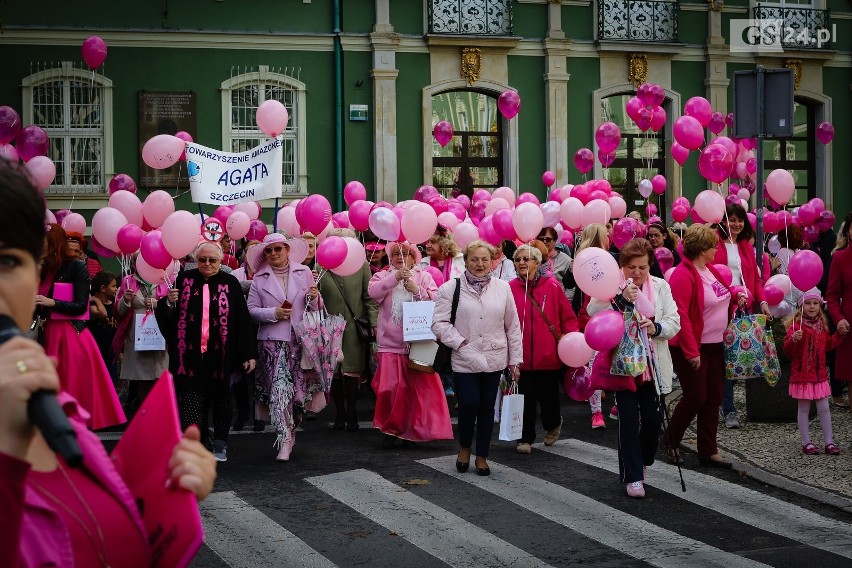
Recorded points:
259,426
721,464
409,444
461,466
483,471
388,441
339,424
351,426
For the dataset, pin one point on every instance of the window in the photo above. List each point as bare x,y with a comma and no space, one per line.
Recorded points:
74,107
638,157
796,154
474,157
470,17
242,94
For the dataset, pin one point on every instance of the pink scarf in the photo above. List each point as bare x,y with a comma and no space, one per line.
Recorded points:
205,317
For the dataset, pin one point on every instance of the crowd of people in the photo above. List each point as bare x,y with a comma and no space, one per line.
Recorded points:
228,324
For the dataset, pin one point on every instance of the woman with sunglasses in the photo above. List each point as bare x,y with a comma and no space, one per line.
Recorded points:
665,253
208,333
557,262
281,291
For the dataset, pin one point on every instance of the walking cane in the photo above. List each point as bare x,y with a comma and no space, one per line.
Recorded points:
652,366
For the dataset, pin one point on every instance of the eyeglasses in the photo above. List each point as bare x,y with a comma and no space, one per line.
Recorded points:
524,259
206,260
269,250
546,239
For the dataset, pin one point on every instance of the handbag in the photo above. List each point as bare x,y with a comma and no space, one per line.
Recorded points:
362,325
36,330
629,357
750,349
512,415
443,357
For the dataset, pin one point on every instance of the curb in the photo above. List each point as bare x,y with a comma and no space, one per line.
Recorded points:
742,466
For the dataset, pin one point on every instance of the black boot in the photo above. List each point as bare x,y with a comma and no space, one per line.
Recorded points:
339,397
351,384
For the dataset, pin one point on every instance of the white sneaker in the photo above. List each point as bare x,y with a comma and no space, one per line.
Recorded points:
636,489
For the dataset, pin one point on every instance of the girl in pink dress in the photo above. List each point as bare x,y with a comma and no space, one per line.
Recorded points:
410,404
806,343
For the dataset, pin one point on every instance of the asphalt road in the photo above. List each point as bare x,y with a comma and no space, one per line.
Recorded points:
344,501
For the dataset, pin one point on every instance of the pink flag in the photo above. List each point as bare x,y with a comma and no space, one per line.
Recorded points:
141,457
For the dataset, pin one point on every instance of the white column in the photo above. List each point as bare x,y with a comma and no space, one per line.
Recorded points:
383,17
384,74
556,106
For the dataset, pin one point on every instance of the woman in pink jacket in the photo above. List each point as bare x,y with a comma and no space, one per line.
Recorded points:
280,291
486,339
546,315
410,404
53,514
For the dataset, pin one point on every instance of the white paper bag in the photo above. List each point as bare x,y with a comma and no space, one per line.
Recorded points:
417,321
147,336
512,415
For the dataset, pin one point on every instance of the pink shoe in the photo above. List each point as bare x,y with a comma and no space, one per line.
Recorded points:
613,413
810,450
286,449
831,449
636,490
598,422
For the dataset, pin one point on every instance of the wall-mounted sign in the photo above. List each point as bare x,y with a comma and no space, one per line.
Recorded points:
358,112
165,112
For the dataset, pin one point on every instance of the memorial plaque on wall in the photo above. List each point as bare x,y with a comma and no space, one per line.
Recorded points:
165,112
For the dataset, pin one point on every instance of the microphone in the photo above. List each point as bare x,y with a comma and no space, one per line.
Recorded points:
45,413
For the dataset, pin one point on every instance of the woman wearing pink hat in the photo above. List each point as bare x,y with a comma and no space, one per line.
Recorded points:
410,404
281,290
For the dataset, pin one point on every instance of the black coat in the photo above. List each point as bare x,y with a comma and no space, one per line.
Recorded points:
72,272
233,339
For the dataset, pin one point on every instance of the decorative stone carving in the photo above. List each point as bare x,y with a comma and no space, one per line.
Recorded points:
471,63
716,5
637,69
796,66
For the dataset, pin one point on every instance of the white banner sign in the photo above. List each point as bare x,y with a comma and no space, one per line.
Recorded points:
227,178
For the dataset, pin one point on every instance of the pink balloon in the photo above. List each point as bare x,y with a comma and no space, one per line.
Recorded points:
668,274
356,256
725,274
359,214
105,226
340,220
314,213
698,108
354,191
61,214
129,239
443,132
572,213
94,51
773,294
32,141
808,214
74,223
715,163
624,230
10,124
495,204
658,119
149,273
257,230
651,210
584,160
487,233
222,212
573,349
548,178
645,95
419,222
186,137
608,136
780,186
810,234
578,384
286,221
805,269
272,118
710,206
658,183
449,220
633,106
665,258
645,188
249,208
162,151
332,252
679,153
552,213
527,198
717,123
122,182
825,132
8,153
729,145
688,132
680,213
181,232
509,104
477,211
129,205
605,329
424,192
100,249
158,206
384,224
465,233
596,273
481,195
464,201
826,220
527,221
596,211
502,223
505,193
617,207
154,251
238,225
42,171
606,159
49,217
818,205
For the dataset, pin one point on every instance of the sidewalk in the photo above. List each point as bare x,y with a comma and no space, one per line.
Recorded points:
772,453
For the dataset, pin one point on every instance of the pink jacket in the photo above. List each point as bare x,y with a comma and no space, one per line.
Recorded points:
266,295
382,288
539,341
489,323
751,276
31,531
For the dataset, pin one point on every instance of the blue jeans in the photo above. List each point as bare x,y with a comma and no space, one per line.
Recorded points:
728,398
476,394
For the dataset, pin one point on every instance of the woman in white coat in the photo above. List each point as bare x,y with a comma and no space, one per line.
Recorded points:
640,398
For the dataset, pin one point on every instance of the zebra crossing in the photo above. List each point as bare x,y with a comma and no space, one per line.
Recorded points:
417,525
